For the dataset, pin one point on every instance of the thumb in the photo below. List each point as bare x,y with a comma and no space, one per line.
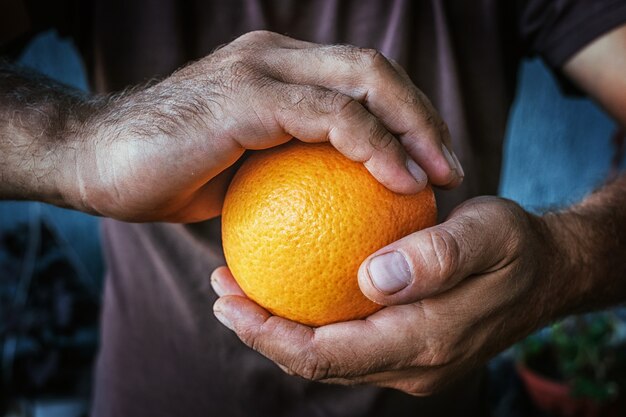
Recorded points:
433,260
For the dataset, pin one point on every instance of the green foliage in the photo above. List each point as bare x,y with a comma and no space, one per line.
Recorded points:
587,352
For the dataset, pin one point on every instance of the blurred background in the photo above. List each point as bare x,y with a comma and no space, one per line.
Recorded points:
558,149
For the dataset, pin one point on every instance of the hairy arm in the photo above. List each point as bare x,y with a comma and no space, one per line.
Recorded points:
593,233
163,152
116,155
41,123
591,240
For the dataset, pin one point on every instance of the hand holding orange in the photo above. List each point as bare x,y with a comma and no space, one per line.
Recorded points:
299,219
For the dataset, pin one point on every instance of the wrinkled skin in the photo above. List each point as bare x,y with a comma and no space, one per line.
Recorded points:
478,285
163,153
483,279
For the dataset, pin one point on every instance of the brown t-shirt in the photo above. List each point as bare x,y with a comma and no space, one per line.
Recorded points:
163,353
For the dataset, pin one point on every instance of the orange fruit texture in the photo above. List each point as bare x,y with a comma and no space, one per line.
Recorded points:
297,222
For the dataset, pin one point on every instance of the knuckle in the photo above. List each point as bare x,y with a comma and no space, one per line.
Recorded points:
317,100
380,138
256,36
249,336
349,54
425,108
360,58
503,212
516,219
237,70
341,104
445,254
343,107
412,99
374,59
293,98
379,71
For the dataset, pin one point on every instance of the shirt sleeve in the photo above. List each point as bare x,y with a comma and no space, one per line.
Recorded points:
557,29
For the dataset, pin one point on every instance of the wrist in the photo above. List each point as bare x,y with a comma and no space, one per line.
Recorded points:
76,163
38,162
568,271
125,145
40,137
589,243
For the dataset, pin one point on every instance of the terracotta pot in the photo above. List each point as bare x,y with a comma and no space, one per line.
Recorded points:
554,397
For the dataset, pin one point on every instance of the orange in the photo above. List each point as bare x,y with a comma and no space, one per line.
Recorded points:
299,219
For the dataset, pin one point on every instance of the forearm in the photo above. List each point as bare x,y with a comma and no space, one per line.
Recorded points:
68,148
590,263
42,126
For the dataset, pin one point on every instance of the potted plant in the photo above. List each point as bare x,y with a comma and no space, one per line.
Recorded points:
577,367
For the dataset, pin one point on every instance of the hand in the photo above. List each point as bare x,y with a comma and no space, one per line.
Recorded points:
163,153
478,282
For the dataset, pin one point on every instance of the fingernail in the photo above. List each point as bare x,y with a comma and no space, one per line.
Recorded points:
418,173
459,167
453,161
283,368
389,272
223,319
217,287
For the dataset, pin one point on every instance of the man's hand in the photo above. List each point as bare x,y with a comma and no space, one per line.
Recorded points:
475,284
163,152
480,281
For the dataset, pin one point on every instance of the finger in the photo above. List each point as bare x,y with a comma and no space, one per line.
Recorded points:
416,148
278,339
340,350
368,77
475,239
224,283
314,114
